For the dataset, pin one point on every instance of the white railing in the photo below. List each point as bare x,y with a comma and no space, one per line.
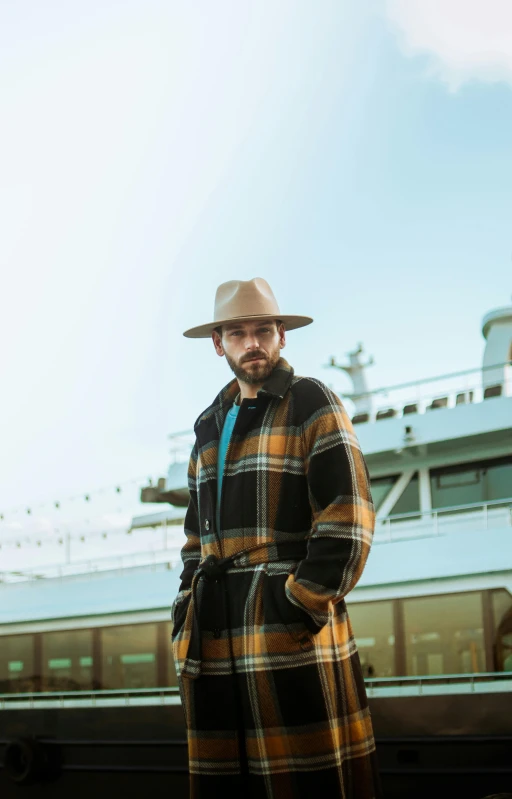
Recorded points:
181,446
398,527
152,558
468,387
478,516
428,684
435,684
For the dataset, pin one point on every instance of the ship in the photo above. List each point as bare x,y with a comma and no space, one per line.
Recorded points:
88,690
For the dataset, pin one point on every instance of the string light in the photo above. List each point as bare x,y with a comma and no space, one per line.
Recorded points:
86,497
98,535
67,538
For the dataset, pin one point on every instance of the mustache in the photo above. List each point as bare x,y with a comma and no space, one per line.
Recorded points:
254,357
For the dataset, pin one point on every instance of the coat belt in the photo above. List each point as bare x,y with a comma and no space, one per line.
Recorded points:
213,569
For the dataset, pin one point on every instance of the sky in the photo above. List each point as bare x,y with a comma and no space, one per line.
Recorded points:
358,158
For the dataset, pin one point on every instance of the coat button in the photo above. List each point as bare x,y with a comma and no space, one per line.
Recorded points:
206,524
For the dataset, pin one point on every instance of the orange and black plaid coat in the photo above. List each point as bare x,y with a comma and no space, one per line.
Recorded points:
269,673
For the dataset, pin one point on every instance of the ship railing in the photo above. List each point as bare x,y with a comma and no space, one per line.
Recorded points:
181,446
476,516
151,558
482,682
479,682
468,387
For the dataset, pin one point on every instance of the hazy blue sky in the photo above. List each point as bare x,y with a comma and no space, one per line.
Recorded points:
359,160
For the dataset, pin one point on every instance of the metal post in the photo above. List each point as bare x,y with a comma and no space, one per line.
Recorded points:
489,631
400,664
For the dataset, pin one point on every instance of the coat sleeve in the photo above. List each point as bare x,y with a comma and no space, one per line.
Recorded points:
343,515
191,550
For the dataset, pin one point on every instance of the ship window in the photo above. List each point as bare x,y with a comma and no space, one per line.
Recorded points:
372,623
499,481
380,488
502,611
17,664
466,484
409,501
457,479
129,656
67,660
444,634
458,487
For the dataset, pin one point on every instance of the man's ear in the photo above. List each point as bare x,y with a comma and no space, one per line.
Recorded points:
217,343
282,335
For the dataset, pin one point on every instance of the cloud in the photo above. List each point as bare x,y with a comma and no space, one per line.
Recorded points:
464,39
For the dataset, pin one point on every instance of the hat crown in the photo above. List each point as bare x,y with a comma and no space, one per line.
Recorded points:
237,299
245,300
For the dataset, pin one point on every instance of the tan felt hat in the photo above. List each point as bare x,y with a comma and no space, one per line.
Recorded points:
241,301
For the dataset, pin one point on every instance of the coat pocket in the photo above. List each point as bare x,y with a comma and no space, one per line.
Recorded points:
279,609
179,614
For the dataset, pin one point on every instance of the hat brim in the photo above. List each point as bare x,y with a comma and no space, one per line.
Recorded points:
290,322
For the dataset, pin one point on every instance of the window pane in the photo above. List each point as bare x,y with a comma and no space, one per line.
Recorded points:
129,656
372,625
482,481
410,499
380,488
499,481
444,634
67,660
502,610
172,678
456,487
17,664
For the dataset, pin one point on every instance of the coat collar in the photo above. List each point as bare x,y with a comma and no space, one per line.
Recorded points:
276,386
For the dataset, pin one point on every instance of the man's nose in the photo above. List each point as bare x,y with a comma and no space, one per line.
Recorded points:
251,342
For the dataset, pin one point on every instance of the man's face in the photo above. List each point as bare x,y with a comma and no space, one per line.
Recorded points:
252,349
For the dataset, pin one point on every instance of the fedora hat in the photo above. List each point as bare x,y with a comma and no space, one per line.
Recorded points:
241,301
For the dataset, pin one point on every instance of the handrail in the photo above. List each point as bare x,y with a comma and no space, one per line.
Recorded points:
171,554
431,523
421,381
132,693
467,677
98,693
448,509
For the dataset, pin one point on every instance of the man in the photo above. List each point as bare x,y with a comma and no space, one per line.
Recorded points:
278,530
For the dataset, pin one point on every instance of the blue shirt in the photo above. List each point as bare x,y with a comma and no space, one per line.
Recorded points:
225,436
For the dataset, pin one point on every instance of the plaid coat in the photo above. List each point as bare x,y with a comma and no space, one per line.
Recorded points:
269,674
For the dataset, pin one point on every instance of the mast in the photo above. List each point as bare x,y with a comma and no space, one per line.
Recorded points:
360,395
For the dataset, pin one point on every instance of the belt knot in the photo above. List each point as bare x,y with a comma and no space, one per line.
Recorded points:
213,568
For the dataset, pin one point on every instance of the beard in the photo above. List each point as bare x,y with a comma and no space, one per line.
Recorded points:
254,374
